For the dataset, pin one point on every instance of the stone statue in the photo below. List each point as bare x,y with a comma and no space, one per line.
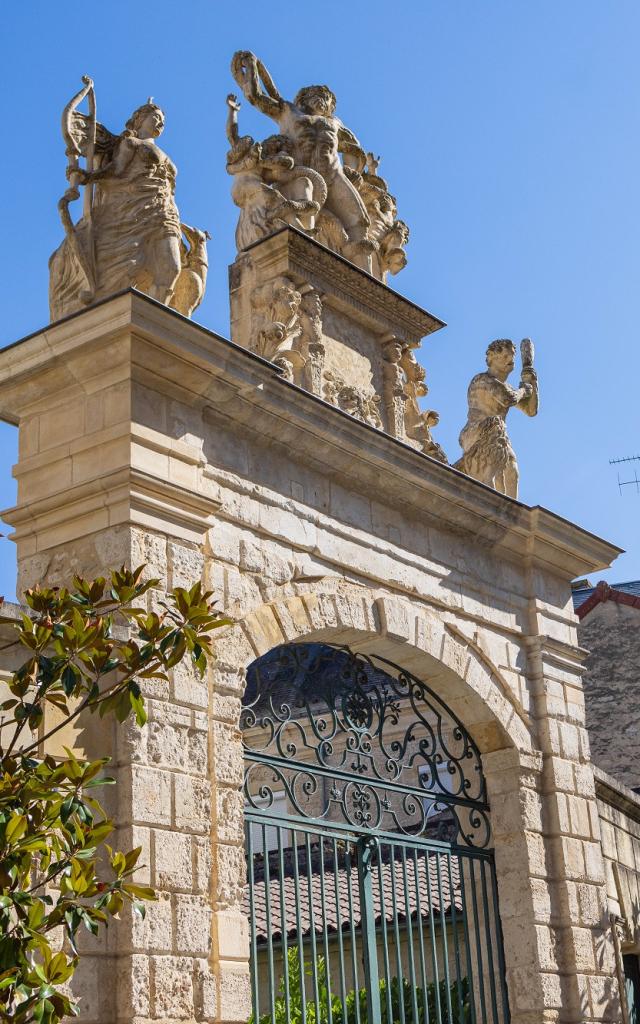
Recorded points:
192,279
418,423
130,233
390,234
349,216
257,168
488,455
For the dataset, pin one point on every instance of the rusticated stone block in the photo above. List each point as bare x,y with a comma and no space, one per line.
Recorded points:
235,991
193,925
192,802
227,754
186,565
230,874
173,865
173,987
133,986
230,814
188,686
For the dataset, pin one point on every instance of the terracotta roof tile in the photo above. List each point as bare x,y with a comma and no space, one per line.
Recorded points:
346,910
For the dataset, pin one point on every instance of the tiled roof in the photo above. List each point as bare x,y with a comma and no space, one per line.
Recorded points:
586,599
321,905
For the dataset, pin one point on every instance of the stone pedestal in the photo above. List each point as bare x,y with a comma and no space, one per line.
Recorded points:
332,328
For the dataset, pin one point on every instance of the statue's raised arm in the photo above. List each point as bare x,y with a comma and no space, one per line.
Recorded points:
256,83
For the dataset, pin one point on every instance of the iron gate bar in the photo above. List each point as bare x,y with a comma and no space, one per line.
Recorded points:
492,981
367,847
312,931
499,942
385,943
396,928
325,931
298,927
343,983
354,960
412,971
419,922
467,946
252,924
478,941
267,887
454,931
283,933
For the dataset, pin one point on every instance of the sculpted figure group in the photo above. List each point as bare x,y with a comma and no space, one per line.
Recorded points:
312,175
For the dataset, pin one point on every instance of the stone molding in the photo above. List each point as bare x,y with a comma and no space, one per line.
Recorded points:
291,251
616,794
126,496
178,357
393,627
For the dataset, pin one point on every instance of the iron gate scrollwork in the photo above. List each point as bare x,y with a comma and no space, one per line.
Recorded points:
371,886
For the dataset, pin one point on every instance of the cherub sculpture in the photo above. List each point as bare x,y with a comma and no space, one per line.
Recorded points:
418,423
390,234
488,455
316,138
130,233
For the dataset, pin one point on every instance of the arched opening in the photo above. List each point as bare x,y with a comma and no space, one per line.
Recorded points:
370,878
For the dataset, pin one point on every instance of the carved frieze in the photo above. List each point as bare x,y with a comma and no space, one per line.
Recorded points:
363,403
336,332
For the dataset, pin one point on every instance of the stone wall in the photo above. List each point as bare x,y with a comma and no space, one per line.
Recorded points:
619,811
611,633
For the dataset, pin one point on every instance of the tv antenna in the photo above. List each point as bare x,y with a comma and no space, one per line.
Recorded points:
627,483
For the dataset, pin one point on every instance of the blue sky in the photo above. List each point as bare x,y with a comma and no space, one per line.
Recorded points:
509,132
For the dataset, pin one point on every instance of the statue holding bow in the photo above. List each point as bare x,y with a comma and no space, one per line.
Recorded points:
130,234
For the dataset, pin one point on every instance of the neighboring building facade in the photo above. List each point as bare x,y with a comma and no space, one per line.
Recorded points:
610,630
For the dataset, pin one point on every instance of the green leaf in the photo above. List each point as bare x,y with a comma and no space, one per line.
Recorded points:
141,892
69,679
16,828
137,703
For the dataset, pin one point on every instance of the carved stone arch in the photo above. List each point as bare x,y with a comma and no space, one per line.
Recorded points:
395,628
458,669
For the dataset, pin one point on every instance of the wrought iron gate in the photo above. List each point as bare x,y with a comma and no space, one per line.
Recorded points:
371,887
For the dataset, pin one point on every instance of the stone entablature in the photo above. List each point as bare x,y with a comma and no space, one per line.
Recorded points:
308,524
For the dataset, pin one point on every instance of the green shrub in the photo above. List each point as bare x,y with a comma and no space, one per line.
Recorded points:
88,648
400,994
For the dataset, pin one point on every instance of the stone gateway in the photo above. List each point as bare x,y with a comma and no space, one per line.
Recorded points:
381,804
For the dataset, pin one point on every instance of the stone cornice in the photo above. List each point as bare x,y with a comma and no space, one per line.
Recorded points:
616,794
184,359
289,251
124,496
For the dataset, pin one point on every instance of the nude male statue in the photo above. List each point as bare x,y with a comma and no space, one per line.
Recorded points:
318,137
488,455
